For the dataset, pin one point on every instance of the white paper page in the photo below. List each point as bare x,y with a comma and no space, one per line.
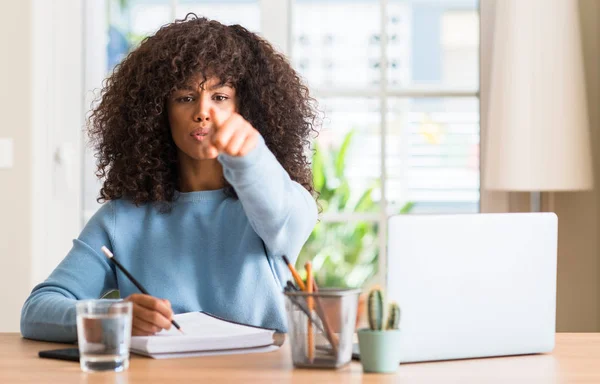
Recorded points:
200,324
202,333
176,355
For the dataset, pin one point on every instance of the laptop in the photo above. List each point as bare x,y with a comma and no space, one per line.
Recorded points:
473,285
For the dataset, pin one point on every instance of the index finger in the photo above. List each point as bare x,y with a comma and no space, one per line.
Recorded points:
219,118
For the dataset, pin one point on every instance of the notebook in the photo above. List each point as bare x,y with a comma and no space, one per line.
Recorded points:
205,334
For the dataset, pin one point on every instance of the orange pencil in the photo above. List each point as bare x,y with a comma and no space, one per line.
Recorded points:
309,302
295,274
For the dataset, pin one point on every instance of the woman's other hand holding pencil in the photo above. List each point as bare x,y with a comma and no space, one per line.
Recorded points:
150,314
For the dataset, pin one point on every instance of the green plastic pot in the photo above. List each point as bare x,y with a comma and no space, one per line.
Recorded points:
379,350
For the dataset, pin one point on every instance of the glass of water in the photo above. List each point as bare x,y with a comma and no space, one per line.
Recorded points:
104,334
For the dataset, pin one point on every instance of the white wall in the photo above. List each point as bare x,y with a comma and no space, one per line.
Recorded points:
41,106
58,124
15,183
578,301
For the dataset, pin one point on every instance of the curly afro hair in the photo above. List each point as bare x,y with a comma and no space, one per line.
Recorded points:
136,155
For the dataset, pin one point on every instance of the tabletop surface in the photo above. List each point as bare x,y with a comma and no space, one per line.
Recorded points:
576,358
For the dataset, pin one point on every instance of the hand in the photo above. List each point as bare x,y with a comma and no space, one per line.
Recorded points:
150,314
233,135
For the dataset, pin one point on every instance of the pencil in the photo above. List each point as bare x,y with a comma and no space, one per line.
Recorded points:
310,303
295,274
139,286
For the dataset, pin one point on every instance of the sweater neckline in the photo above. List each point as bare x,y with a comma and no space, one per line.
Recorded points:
212,195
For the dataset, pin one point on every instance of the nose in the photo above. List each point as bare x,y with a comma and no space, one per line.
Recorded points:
202,113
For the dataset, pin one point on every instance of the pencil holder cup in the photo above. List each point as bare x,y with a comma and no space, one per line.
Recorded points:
321,327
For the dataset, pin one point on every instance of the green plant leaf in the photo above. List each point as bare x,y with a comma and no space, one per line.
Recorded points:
359,275
340,159
365,202
318,168
342,195
406,208
112,294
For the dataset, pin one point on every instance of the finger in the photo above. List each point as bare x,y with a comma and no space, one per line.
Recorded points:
150,316
223,135
249,145
219,118
153,317
211,152
167,302
235,143
145,326
153,304
216,120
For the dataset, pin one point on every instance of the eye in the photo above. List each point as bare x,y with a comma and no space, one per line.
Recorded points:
185,99
220,98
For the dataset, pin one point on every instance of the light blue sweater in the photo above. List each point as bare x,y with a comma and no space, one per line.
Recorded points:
206,254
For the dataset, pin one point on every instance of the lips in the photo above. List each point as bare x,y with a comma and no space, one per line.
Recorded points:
199,131
199,134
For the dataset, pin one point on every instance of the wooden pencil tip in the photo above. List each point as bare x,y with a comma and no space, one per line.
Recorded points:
285,259
107,252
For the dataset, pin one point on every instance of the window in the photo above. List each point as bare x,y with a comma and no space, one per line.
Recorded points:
398,82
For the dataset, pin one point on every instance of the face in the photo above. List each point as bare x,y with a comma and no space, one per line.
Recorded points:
189,115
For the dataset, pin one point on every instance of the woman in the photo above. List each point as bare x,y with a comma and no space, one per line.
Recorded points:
201,135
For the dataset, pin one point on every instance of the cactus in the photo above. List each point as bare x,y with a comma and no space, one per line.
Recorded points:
375,309
393,316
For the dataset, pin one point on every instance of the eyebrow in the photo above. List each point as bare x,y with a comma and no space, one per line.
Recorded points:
189,87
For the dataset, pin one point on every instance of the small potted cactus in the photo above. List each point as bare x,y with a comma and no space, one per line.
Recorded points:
380,343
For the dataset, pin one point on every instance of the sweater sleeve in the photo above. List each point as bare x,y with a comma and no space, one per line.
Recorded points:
281,211
85,273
